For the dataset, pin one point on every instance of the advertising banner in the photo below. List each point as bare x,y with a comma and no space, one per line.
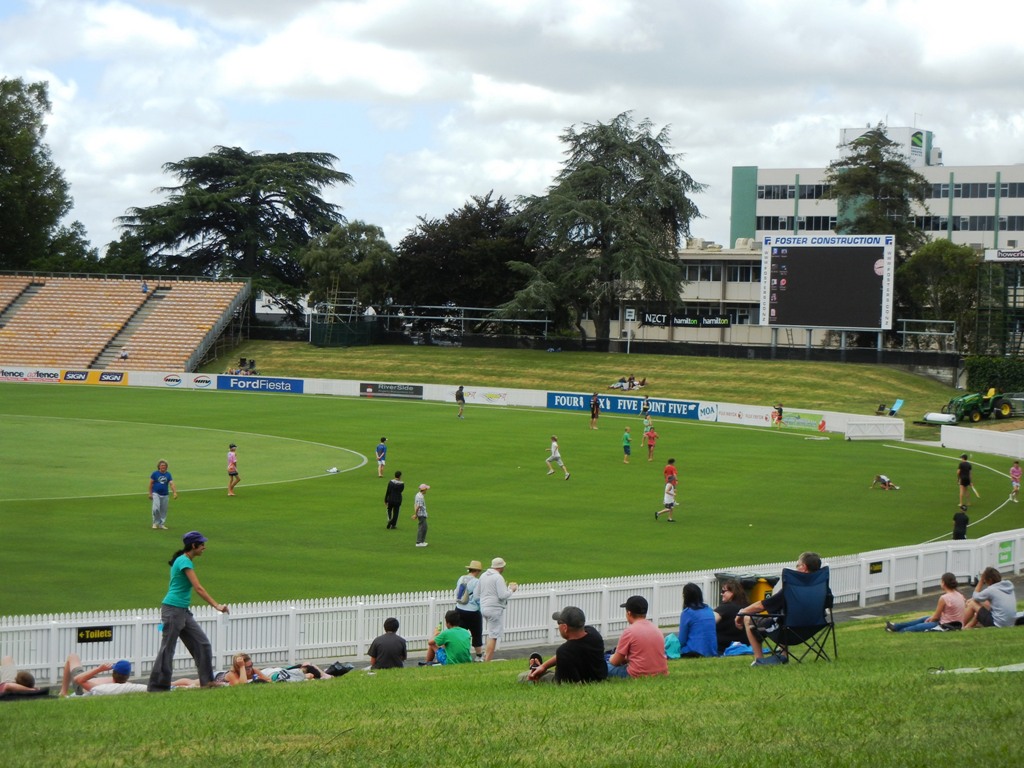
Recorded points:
404,391
37,375
93,377
260,384
670,409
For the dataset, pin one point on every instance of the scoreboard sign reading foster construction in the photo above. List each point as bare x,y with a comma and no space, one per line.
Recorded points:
828,281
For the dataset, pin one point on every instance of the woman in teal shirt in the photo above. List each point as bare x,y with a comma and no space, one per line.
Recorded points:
177,619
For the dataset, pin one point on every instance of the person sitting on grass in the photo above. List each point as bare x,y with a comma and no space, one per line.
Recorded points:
884,483
696,625
388,651
453,639
949,613
641,648
580,659
733,597
994,602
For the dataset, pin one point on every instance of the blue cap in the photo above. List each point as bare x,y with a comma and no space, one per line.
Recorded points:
122,667
193,537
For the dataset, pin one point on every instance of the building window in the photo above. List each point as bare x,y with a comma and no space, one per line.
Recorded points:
814,191
744,273
740,314
774,192
702,271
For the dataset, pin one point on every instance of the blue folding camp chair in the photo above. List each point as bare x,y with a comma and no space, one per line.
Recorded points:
807,624
896,408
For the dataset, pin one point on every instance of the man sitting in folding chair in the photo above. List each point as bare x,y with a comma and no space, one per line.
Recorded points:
799,612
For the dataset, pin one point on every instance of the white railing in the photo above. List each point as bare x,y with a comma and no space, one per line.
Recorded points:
333,628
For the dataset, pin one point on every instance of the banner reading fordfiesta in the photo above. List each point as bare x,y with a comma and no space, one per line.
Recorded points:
260,384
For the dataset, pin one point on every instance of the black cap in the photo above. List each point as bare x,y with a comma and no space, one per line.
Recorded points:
636,605
571,616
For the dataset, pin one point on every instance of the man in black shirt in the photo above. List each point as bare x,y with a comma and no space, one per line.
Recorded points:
393,499
963,476
580,659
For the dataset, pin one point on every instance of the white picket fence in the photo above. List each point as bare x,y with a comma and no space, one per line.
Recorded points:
283,633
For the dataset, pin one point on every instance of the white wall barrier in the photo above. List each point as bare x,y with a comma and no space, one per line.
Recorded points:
874,429
332,628
983,440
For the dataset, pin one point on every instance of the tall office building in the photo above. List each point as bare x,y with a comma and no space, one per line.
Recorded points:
977,205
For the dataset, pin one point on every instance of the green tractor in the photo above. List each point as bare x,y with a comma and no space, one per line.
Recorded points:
977,406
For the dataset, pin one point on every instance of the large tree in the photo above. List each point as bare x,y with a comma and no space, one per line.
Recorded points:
940,282
463,257
876,188
241,214
352,258
34,196
610,225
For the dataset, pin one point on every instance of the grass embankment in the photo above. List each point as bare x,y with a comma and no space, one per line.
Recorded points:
851,388
877,706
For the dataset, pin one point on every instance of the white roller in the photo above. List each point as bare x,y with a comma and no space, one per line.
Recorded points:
940,418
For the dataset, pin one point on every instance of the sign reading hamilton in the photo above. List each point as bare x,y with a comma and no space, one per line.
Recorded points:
665,320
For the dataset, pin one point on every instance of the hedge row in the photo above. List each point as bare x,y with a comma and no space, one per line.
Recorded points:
1006,374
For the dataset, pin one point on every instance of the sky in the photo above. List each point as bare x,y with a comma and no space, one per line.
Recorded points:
427,103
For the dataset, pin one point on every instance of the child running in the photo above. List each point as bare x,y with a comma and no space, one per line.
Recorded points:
1015,473
670,499
556,458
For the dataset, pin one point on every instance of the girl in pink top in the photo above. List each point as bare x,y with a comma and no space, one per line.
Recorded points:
949,611
1015,473
233,477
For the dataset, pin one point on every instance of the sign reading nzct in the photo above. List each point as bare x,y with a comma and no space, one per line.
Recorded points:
666,409
260,384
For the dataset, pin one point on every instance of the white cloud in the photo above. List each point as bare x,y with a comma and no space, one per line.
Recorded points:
428,103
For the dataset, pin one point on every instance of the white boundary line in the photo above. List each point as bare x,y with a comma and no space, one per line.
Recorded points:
954,458
361,456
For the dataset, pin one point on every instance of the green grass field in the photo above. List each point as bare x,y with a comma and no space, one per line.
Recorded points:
76,521
75,525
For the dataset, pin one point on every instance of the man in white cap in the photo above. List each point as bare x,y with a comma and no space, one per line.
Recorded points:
419,514
493,594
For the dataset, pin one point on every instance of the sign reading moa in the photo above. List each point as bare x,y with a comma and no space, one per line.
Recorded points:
828,281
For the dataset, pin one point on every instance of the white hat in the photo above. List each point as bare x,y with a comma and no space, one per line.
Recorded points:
497,563
424,487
